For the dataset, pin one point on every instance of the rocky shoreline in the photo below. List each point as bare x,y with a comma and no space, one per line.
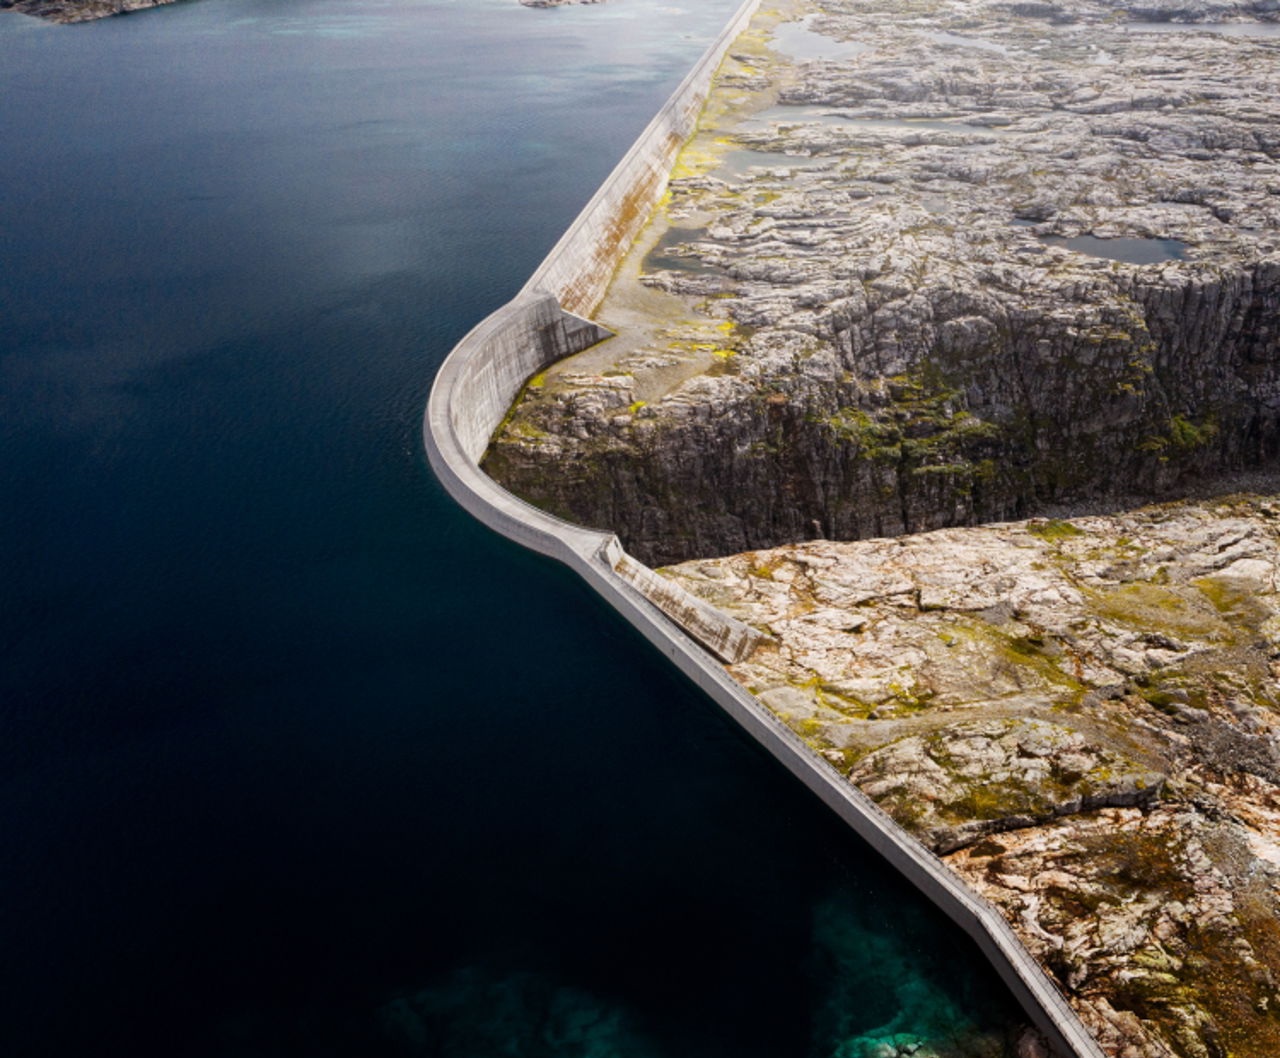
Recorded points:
557,3
69,11
1082,718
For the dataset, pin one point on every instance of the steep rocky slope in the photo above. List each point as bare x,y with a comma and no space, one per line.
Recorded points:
1083,718
856,314
78,10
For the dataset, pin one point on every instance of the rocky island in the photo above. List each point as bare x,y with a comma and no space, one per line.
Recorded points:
931,265
78,10
557,3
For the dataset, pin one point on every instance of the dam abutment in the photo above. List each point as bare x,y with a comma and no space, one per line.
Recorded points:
580,266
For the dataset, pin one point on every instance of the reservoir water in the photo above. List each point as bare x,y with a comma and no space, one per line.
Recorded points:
297,759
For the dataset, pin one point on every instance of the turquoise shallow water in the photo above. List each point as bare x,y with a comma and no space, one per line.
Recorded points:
297,759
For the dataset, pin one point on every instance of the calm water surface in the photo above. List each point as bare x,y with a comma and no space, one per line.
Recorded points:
1133,251
296,758
802,42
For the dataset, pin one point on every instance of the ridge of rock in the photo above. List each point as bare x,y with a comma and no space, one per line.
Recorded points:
954,262
68,11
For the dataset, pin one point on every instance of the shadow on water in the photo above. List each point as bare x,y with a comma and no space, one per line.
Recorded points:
298,759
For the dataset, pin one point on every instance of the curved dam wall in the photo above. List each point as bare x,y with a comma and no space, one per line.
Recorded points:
691,634
522,338
475,387
471,395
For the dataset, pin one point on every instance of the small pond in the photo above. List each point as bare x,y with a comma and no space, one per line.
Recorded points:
737,164
801,41
1133,251
663,255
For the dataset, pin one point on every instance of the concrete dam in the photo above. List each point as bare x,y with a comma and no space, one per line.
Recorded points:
550,319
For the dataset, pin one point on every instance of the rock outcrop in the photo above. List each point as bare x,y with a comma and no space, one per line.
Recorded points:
875,302
1083,718
78,10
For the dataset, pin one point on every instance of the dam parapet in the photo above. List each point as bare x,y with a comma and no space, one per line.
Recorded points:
580,266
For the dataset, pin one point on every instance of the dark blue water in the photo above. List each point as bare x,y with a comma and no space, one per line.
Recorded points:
296,759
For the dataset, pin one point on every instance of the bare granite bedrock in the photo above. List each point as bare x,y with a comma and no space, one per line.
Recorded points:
865,332
984,261
1083,718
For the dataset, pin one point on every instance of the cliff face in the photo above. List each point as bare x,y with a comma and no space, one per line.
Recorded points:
1083,718
868,323
78,10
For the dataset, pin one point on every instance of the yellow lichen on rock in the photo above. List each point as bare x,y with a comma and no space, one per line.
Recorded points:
1083,716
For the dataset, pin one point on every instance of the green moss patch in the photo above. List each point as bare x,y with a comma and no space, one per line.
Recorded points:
1163,609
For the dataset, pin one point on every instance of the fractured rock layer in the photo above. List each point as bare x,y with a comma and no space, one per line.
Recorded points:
1083,718
869,309
943,262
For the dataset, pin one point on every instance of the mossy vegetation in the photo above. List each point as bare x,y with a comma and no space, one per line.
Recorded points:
1233,599
1159,608
1136,860
1181,434
1029,660
1053,529
1205,982
996,800
924,435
